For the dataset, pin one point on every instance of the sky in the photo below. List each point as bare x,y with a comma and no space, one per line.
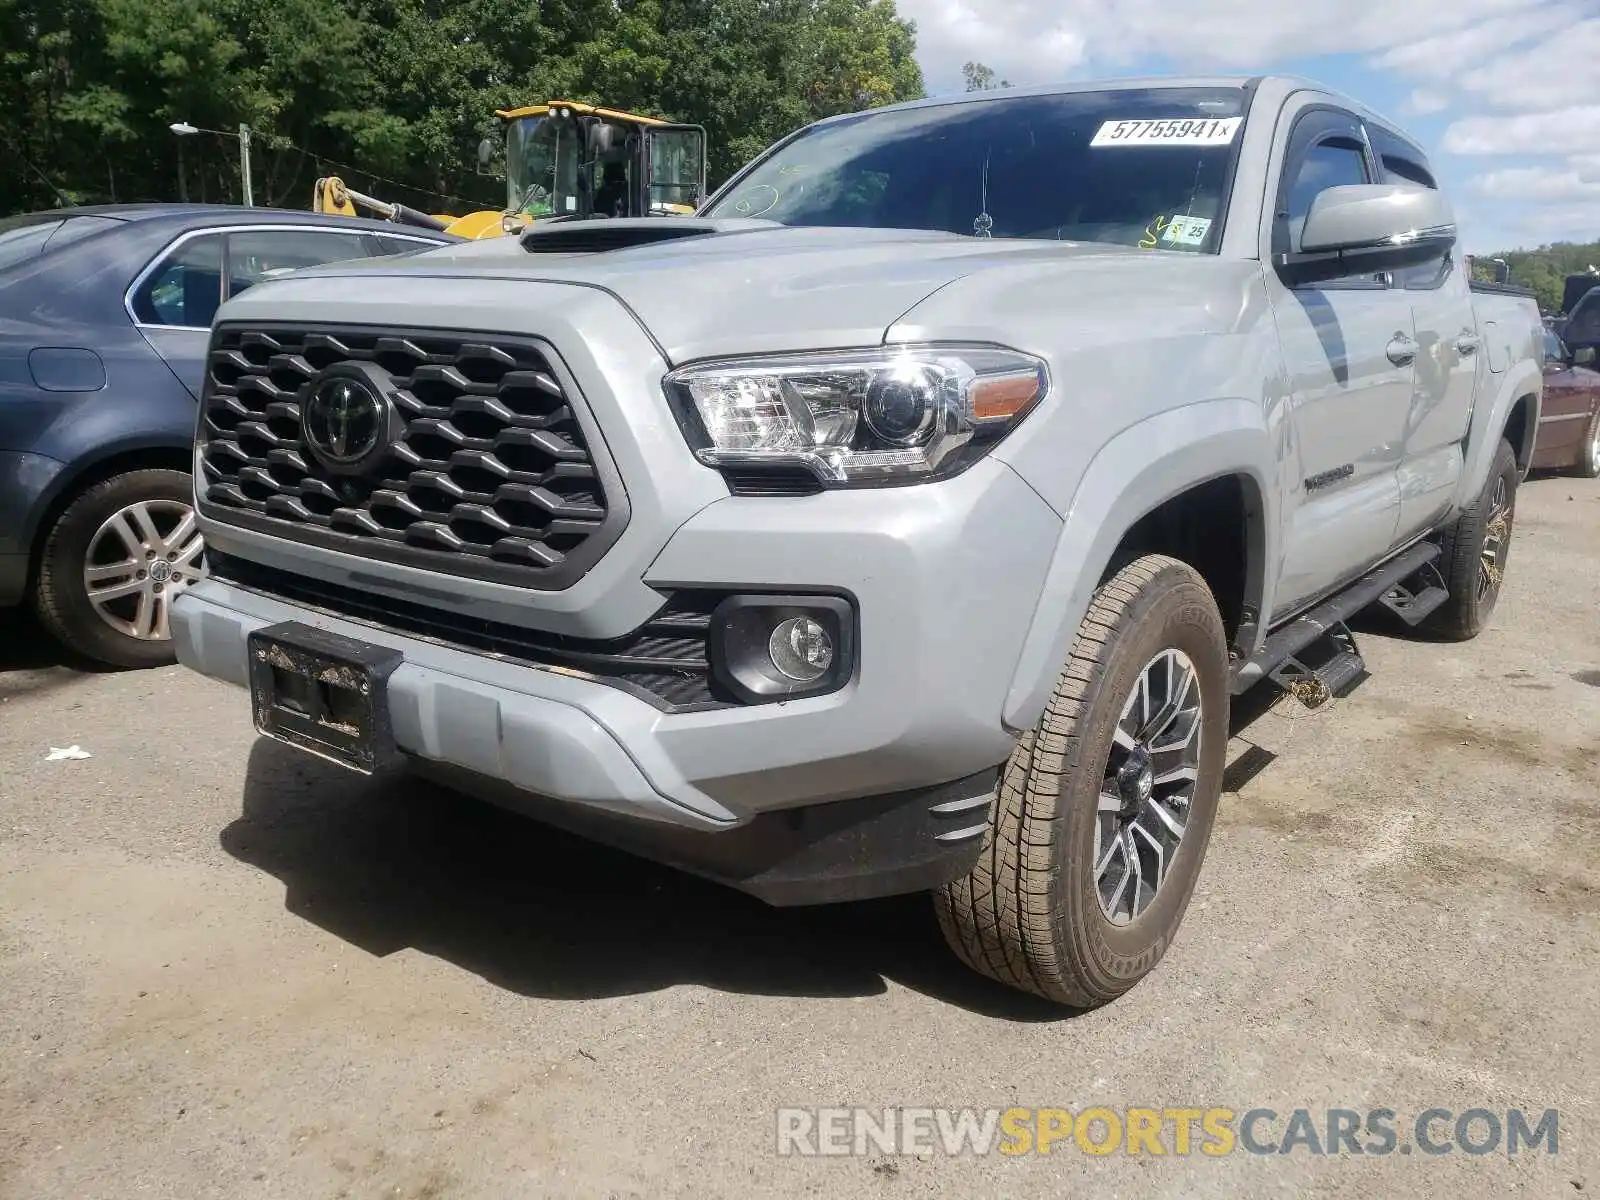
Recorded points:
1503,94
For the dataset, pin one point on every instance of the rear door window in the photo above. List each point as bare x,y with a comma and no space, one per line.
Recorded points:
185,288
1401,162
260,254
398,245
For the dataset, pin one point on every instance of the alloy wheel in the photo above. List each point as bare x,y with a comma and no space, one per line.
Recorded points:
1148,786
139,560
1496,540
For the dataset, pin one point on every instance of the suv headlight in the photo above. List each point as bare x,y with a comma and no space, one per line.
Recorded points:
900,414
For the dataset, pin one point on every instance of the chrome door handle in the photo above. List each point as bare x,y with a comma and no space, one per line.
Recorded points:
1468,343
1401,350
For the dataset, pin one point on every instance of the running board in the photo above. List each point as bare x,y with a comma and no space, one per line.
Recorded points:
1416,599
1329,667
1283,644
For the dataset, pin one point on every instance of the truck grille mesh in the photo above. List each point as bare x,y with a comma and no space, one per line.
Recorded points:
491,473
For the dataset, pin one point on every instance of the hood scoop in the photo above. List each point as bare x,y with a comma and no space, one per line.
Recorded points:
597,235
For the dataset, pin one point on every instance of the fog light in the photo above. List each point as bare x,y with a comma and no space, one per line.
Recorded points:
801,649
781,647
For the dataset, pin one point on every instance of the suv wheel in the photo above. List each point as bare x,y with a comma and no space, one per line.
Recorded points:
1106,807
1476,549
113,564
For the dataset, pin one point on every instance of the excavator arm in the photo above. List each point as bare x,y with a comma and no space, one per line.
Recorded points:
332,196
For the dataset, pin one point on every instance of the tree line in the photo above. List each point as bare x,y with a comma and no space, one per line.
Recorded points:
1544,270
394,95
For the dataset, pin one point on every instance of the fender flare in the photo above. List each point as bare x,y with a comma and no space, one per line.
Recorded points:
70,478
1136,472
1489,424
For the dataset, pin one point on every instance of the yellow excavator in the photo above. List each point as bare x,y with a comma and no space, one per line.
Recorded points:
564,162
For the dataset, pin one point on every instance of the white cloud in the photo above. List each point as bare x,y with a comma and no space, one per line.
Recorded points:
1573,130
1529,184
1441,56
1556,72
1424,101
1539,225
1041,40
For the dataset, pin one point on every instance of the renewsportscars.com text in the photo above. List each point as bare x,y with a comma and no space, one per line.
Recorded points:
1212,1132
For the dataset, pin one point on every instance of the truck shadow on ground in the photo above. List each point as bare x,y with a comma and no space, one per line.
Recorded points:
393,863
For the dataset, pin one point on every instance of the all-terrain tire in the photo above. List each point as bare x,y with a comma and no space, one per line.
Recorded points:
1029,914
62,596
1482,531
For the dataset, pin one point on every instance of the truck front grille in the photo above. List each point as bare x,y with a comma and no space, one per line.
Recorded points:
484,468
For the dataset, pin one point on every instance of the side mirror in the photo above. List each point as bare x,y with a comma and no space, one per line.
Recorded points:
485,153
600,139
1583,356
1359,229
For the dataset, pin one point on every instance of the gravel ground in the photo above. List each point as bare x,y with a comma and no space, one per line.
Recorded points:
227,971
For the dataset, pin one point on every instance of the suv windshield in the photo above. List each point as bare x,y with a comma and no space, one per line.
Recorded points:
1133,167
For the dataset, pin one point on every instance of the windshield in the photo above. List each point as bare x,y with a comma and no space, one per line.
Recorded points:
1133,167
541,166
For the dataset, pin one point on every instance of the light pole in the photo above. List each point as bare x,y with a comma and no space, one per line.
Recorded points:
184,129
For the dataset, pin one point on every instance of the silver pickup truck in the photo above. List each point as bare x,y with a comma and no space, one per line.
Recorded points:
904,520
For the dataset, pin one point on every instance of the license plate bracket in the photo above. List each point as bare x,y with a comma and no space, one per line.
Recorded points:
324,693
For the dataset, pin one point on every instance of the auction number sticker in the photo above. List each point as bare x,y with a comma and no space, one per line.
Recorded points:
1186,231
1178,131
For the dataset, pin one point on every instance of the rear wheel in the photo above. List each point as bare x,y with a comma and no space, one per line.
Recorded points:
1589,459
1476,550
1106,807
113,564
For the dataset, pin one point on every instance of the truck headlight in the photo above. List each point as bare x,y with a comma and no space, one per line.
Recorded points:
900,414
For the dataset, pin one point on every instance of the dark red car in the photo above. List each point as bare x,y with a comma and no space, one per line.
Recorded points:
1569,423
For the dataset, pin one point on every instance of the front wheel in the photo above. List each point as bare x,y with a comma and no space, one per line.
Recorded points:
1105,808
113,564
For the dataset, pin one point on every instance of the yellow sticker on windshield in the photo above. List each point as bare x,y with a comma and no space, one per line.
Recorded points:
1179,131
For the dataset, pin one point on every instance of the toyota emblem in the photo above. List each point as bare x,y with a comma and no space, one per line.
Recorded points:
344,421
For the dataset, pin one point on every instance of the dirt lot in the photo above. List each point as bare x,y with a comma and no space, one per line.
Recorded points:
227,972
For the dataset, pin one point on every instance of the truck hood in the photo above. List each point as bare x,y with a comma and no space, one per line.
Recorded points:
740,287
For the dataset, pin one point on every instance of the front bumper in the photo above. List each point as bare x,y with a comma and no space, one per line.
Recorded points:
944,578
